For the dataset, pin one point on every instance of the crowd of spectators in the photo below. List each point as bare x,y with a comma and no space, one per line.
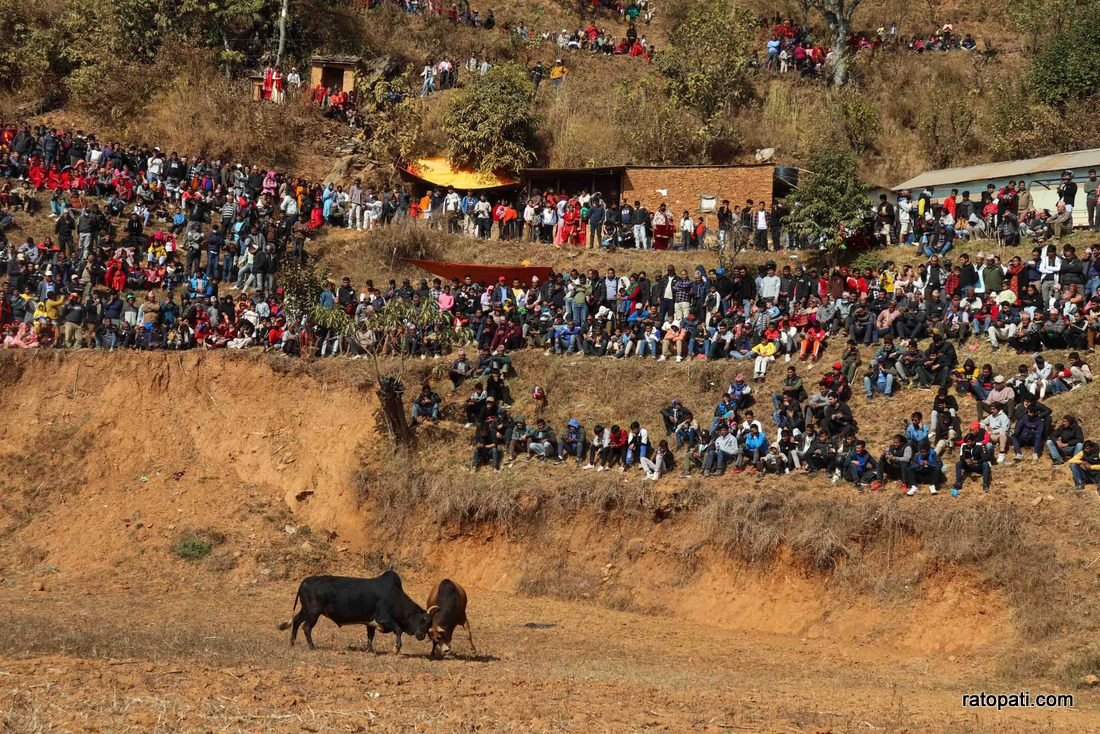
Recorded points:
910,333
590,37
148,247
791,47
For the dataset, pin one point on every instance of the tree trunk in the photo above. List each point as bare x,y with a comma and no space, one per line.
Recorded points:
840,46
282,33
225,45
393,412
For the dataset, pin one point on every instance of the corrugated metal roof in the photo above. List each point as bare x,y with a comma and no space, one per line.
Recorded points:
1004,169
590,171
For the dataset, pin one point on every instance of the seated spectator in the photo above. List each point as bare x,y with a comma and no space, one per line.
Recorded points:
426,405
1066,440
542,443
927,469
997,424
662,462
1028,432
755,446
572,442
895,464
1085,466
723,452
973,459
859,465
486,448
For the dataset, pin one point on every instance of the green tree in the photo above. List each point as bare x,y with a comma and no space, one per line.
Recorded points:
856,120
829,200
1035,20
1067,67
706,59
491,124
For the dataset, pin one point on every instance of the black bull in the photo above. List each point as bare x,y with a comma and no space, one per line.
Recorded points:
379,603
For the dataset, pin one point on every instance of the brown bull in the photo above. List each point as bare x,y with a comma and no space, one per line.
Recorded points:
447,609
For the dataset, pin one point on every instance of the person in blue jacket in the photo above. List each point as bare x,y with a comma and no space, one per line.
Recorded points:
927,469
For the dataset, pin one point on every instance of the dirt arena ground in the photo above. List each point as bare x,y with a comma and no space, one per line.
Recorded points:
207,659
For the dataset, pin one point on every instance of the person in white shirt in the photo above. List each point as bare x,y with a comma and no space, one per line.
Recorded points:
997,424
428,75
725,452
154,166
687,228
760,233
355,206
452,205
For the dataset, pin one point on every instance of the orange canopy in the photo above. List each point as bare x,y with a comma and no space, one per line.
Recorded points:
440,172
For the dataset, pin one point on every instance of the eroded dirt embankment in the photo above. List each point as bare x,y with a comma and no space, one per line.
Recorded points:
112,457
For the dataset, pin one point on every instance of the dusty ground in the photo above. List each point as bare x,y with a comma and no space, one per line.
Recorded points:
208,658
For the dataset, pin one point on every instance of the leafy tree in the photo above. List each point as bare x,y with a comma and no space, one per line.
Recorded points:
657,130
706,59
829,200
491,124
1067,68
857,120
1035,20
377,333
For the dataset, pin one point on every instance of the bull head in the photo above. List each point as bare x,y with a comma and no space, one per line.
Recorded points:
434,630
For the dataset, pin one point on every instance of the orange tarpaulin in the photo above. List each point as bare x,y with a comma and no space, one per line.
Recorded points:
440,172
482,273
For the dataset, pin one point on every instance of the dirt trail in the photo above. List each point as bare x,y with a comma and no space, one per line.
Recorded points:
107,629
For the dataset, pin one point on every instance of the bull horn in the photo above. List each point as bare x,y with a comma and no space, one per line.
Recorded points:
432,610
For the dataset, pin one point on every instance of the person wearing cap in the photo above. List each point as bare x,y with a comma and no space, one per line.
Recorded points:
973,459
1002,394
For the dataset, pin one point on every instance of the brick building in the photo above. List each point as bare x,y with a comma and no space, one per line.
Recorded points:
691,188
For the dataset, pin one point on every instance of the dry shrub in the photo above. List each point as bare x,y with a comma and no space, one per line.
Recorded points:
970,534
406,239
747,528
202,113
576,131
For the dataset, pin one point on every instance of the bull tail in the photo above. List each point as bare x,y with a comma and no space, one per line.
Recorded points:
286,625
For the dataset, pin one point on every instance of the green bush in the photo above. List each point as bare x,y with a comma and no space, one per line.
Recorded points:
1067,67
491,124
706,60
196,544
